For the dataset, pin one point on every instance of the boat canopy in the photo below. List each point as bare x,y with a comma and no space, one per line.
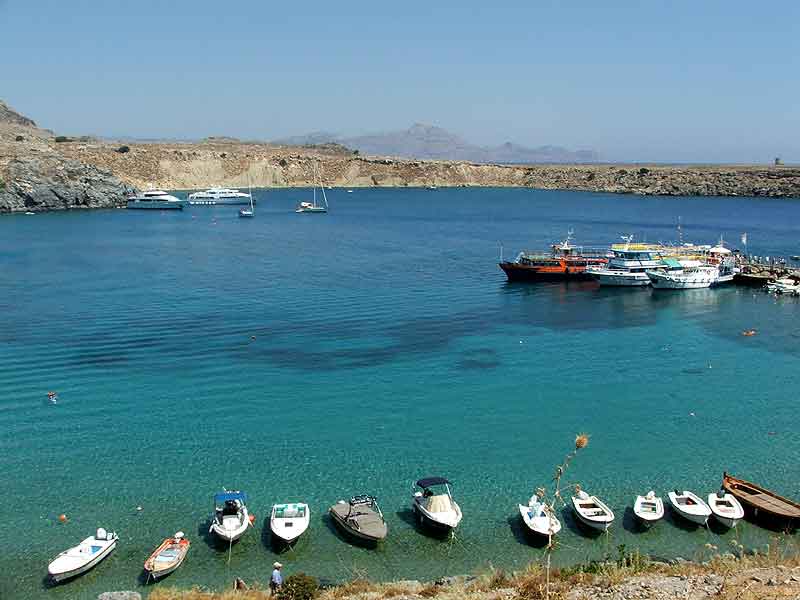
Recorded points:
673,263
429,481
222,497
719,250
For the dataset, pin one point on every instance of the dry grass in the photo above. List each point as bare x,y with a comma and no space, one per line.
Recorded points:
197,594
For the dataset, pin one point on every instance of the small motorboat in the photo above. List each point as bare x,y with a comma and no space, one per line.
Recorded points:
725,508
167,557
648,509
690,506
230,520
763,505
591,511
83,557
539,517
289,521
361,518
434,504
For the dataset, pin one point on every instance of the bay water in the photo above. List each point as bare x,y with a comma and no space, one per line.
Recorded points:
310,357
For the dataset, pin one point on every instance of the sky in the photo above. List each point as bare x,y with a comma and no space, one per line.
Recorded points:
677,81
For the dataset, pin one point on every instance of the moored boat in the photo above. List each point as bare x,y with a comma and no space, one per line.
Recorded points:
648,509
313,207
289,521
218,195
434,505
564,261
361,518
689,506
725,508
539,517
763,505
629,265
591,511
231,519
83,557
155,200
167,557
690,276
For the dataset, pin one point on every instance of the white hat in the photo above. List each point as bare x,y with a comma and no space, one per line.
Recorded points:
277,565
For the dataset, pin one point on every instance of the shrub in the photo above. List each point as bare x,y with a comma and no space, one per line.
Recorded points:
2,185
282,162
19,138
299,586
355,152
62,138
643,171
123,149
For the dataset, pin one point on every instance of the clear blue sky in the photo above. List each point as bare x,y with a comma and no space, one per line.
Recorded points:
700,80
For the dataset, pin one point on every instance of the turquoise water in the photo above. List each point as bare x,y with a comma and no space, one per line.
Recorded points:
310,357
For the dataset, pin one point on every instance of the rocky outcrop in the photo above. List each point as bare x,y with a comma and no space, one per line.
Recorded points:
11,117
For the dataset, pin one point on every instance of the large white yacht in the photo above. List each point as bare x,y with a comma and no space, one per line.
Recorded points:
628,266
156,200
217,195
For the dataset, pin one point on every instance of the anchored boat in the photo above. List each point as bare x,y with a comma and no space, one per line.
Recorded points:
230,520
591,511
725,508
762,504
434,505
155,200
289,521
564,261
690,506
167,557
539,517
361,518
648,509
218,195
83,557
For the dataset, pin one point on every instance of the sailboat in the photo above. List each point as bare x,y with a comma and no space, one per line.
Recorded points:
245,213
313,207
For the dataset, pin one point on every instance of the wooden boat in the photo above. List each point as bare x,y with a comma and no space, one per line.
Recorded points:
167,557
690,506
725,508
83,557
591,511
648,509
762,504
539,518
361,518
289,521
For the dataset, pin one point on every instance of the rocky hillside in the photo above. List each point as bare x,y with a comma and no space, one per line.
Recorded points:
9,116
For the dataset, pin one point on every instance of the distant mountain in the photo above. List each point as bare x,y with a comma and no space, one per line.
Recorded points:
9,116
430,142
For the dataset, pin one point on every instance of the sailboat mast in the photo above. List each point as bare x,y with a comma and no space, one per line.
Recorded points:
322,186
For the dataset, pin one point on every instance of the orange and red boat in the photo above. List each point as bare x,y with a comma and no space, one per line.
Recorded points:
564,261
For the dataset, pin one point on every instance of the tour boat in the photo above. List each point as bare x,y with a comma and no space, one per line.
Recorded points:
313,207
592,511
217,195
230,520
628,266
289,521
691,276
539,517
361,518
725,508
83,557
648,509
690,506
167,557
155,200
434,505
762,504
563,261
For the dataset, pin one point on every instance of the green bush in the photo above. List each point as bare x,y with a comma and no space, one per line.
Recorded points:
2,185
123,149
19,138
299,586
62,138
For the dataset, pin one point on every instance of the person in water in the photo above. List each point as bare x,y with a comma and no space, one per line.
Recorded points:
276,580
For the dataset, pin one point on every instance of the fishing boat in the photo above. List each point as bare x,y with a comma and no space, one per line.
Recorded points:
564,261
230,520
289,521
690,276
762,504
167,557
313,207
648,509
155,200
83,557
591,511
725,508
361,518
219,195
539,517
434,506
689,506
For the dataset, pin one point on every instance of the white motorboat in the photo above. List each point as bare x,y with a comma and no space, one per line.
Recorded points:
628,266
539,517
592,511
648,509
725,508
690,506
692,276
289,521
785,285
218,195
155,200
313,207
84,556
434,504
231,519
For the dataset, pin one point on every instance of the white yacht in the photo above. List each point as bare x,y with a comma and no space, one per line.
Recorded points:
628,266
217,195
313,207
155,200
694,275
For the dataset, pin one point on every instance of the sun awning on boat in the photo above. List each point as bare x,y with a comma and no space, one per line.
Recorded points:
429,481
673,263
223,496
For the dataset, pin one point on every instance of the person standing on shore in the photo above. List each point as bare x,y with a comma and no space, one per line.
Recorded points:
276,580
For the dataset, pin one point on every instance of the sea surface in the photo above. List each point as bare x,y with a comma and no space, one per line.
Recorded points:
309,357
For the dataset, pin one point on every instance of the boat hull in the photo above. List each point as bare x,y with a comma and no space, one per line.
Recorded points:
426,520
621,279
538,527
784,514
519,272
59,576
154,205
354,534
219,201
